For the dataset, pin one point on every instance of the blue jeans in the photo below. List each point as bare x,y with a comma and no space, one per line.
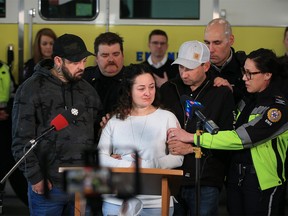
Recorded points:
58,203
110,209
209,199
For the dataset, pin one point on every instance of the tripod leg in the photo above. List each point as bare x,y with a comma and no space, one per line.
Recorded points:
1,202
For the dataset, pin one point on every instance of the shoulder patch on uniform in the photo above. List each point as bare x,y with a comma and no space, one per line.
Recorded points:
280,100
274,115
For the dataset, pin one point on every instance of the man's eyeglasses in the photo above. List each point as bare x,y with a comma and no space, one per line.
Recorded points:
157,43
249,74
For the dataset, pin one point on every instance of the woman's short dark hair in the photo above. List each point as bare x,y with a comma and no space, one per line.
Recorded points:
265,61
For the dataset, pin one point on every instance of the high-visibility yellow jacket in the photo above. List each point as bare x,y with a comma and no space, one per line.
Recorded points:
265,134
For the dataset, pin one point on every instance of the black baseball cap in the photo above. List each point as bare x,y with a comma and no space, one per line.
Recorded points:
70,47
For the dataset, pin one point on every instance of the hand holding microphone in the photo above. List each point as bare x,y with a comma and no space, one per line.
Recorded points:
178,140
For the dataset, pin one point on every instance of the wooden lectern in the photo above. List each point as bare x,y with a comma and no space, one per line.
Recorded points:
157,181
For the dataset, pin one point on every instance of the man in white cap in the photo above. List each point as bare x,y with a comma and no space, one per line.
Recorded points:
195,84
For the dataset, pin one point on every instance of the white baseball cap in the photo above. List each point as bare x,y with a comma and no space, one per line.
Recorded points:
192,54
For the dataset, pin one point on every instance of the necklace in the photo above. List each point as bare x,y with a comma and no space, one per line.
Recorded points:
195,98
137,128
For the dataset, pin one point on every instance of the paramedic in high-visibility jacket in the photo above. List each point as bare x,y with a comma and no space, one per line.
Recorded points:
260,140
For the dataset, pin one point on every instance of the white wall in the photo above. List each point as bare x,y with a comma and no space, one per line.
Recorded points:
256,12
238,12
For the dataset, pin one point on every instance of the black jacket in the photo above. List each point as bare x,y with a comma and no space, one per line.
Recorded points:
39,100
218,105
108,88
231,71
171,70
29,68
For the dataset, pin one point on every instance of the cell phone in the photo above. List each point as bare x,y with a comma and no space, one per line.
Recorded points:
93,181
88,180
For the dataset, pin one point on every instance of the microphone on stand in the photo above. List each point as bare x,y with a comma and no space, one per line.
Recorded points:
68,116
60,122
192,107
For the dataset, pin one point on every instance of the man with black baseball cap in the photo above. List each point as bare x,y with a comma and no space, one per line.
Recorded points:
70,47
55,87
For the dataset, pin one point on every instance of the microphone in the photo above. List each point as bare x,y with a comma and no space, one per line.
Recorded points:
192,107
61,121
58,123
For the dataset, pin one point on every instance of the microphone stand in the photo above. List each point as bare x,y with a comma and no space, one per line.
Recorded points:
212,128
193,107
34,142
198,155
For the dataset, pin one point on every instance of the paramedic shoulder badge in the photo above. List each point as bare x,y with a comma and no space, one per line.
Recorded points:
274,115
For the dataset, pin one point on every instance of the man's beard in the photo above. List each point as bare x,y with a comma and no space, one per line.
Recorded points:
68,76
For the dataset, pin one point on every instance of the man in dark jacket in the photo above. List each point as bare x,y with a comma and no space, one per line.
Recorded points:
106,77
195,83
226,64
55,88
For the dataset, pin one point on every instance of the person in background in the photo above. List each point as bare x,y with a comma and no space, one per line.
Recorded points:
138,124
106,76
55,88
226,64
285,42
259,141
284,61
196,84
17,180
284,58
158,60
42,49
